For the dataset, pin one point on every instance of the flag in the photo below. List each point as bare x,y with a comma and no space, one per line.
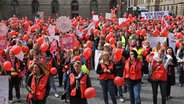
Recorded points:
164,23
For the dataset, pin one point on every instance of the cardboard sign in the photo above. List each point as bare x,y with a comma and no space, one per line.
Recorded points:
154,40
120,20
98,53
172,40
108,16
67,41
156,14
4,89
95,17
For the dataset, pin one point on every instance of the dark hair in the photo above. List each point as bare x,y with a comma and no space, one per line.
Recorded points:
171,50
135,53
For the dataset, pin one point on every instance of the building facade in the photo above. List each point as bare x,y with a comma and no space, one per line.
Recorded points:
176,6
73,8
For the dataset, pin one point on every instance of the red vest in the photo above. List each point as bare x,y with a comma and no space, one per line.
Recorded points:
40,89
134,71
106,76
83,85
158,71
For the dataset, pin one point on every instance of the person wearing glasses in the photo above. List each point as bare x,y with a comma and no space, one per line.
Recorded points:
133,75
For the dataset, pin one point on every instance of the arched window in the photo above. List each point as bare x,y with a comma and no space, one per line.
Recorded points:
94,6
55,7
113,4
14,7
35,6
74,8
75,5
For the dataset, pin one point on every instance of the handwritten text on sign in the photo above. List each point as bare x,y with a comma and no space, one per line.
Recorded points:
156,15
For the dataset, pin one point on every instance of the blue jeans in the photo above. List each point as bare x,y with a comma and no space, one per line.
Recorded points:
108,86
53,84
119,91
134,92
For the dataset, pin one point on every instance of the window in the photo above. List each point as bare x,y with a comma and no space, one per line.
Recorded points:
75,5
35,6
113,4
74,8
14,7
55,7
94,6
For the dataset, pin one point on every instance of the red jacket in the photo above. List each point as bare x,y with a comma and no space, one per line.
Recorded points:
134,71
158,71
106,76
83,85
40,89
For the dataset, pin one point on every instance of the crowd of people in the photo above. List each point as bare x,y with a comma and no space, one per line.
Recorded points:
126,53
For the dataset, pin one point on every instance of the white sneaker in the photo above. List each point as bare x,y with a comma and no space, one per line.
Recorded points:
56,95
121,100
10,101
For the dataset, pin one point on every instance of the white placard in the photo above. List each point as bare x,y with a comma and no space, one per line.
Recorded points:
108,16
95,17
172,40
156,14
120,20
98,53
154,40
4,89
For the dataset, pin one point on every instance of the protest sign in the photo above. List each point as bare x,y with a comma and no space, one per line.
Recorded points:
120,20
51,31
4,89
108,16
98,53
95,17
154,40
172,40
156,14
67,41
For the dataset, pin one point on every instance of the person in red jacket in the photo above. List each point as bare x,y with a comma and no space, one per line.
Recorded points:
105,69
132,75
77,83
38,84
158,74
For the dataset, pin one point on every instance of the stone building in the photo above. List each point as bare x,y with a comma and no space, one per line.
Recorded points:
32,8
176,6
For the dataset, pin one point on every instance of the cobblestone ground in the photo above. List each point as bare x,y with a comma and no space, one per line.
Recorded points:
146,94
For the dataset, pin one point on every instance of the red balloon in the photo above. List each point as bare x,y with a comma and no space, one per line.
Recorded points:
89,43
138,32
92,12
119,81
143,32
44,47
117,58
87,52
1,51
179,35
26,37
108,37
77,44
12,33
7,65
87,36
16,49
25,49
27,24
90,93
53,71
177,44
155,33
164,33
96,32
112,41
40,40
118,52
130,31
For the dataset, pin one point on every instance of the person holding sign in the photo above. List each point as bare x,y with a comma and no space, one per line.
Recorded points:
38,84
77,83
